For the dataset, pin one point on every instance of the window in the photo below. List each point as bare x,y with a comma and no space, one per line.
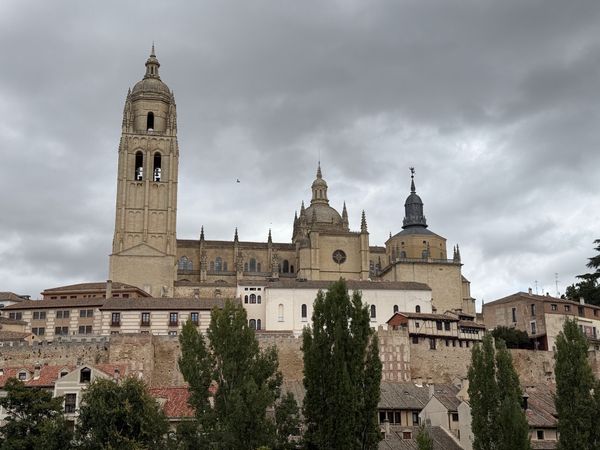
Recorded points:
581,311
533,309
303,312
395,309
514,315
184,263
406,435
454,417
172,332
415,339
173,319
115,319
415,418
39,315
139,166
417,309
85,329
567,308
70,403
447,326
258,299
291,269
253,298
252,324
447,342
595,312
62,314
540,435
22,376
150,121
87,312
195,318
533,328
373,312
15,315
432,343
85,375
286,266
280,312
554,306
218,264
157,169
245,299
252,266
38,331
258,324
382,416
61,331
438,325
145,319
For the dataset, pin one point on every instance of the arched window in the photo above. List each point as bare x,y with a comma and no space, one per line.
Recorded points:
150,121
286,266
291,269
395,309
279,269
258,299
245,299
185,264
303,312
424,254
252,267
139,166
258,324
157,169
418,309
280,312
218,264
252,324
402,254
373,312
252,298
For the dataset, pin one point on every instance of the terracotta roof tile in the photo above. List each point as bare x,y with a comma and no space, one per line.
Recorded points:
174,401
11,296
13,335
95,286
57,303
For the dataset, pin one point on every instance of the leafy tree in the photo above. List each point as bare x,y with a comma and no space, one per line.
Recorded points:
120,416
512,337
424,440
244,379
287,422
33,419
575,402
588,287
498,421
342,373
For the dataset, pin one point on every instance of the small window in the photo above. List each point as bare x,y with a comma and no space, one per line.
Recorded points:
581,311
218,264
245,298
62,314
115,319
533,328
415,418
447,326
139,166
406,435
195,318
156,173
286,266
15,315
415,339
280,313
145,319
554,307
70,403
61,331
258,299
432,343
567,308
172,332
252,324
540,435
85,329
39,315
150,121
173,319
38,331
438,325
291,269
85,375
258,324
417,309
303,312
395,309
22,376
253,299
252,266
454,417
533,309
373,312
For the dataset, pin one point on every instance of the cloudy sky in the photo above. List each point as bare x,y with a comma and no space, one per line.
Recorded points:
495,103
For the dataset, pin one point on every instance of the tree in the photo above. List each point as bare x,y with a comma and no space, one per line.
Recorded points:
245,381
498,420
33,419
342,373
120,415
588,287
424,440
512,337
287,422
575,403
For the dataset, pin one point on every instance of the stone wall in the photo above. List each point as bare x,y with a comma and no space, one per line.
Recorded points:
395,354
56,353
289,350
442,365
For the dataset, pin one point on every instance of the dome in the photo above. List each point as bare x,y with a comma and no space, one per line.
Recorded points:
324,214
151,85
413,199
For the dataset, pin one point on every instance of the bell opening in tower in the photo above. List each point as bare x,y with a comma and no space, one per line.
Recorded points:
139,166
150,121
157,167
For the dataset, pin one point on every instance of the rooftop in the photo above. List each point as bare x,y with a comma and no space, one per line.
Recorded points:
352,285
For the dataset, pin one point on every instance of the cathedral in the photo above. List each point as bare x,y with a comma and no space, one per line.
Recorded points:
146,252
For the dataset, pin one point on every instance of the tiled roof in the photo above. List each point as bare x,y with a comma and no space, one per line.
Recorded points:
394,440
541,412
351,284
470,324
13,335
122,304
543,298
174,401
402,396
229,244
48,374
446,394
376,249
8,321
57,303
11,296
426,316
96,286
199,284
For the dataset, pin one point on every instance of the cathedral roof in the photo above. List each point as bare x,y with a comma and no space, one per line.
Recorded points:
413,207
351,284
151,83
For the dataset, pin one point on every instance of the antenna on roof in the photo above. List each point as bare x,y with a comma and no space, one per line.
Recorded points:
536,289
556,283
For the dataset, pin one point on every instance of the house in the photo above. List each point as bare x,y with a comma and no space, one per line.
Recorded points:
441,410
174,403
10,298
405,438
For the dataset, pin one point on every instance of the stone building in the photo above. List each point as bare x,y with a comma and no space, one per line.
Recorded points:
147,254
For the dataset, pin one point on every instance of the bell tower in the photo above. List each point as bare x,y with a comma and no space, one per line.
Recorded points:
144,243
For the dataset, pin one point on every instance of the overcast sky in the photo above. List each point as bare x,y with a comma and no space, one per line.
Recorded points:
495,103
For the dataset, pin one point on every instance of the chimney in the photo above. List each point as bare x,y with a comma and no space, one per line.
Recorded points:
109,293
581,301
386,427
530,291
36,371
431,390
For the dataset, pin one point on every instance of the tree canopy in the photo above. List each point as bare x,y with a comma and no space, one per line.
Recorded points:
232,382
120,415
588,287
342,373
512,337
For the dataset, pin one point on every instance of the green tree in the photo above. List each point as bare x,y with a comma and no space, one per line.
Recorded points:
287,422
120,415
498,420
512,337
33,419
424,440
342,373
588,287
244,379
575,402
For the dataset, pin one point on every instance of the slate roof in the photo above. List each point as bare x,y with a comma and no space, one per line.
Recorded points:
162,303
541,412
446,394
394,441
402,396
351,284
543,298
174,401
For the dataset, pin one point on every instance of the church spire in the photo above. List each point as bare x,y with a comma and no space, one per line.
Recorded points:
363,222
269,239
202,233
413,207
319,175
345,215
319,188
235,236
152,65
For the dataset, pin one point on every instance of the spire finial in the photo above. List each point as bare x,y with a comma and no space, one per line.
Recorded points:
202,233
152,53
319,175
363,222
412,180
269,239
235,236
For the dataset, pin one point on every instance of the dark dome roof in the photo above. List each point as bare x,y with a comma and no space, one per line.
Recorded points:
324,213
413,199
